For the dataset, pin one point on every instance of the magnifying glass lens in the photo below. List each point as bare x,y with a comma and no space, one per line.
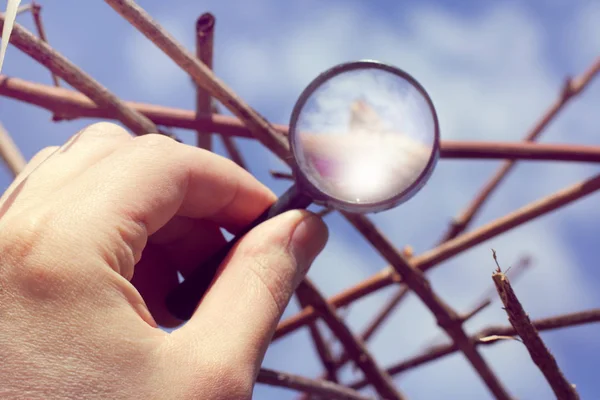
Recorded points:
365,136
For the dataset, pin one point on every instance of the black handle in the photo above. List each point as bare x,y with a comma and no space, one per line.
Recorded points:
184,299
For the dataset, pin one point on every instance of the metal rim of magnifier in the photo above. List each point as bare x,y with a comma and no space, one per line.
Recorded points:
329,201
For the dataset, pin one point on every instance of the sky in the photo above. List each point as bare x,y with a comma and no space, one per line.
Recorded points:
491,68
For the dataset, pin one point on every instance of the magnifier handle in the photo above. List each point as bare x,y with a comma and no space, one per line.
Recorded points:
184,299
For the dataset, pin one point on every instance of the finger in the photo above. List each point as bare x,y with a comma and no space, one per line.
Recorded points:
85,148
256,282
140,187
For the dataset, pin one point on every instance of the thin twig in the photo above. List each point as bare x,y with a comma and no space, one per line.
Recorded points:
446,317
69,104
571,88
25,8
538,351
451,248
205,31
36,12
489,336
70,73
10,154
354,346
314,387
202,75
323,349
514,273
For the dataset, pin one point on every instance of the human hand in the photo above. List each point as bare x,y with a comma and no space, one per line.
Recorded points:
92,235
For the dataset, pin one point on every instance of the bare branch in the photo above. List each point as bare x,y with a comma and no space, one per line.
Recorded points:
10,154
205,33
571,89
451,248
202,75
446,317
323,349
354,346
36,12
314,387
55,62
442,350
538,351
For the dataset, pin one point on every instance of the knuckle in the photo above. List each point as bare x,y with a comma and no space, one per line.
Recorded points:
154,141
104,129
25,245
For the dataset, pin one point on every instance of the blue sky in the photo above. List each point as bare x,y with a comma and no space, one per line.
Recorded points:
491,68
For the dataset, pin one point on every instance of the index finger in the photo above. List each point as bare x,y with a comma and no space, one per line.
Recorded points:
153,178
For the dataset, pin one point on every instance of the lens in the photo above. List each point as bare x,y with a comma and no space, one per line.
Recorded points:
365,134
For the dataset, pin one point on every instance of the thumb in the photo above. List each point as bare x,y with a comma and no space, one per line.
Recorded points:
242,308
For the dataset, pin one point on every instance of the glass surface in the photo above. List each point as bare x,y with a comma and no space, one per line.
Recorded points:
364,136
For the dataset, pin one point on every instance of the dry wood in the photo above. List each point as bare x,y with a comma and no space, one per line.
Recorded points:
10,154
329,390
538,351
41,52
449,249
480,338
358,352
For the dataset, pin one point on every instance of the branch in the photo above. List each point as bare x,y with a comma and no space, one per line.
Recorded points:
446,317
71,104
315,387
205,33
571,89
451,248
202,75
489,336
58,64
514,272
321,346
538,351
36,12
354,346
10,154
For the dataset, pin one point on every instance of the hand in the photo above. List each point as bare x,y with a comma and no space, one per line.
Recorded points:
92,235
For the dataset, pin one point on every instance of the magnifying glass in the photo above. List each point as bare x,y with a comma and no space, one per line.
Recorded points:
364,137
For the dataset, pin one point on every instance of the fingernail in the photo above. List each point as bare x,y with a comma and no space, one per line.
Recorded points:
308,240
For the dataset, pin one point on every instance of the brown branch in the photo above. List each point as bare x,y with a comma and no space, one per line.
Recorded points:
518,151
482,338
571,89
321,346
446,317
202,75
69,104
354,346
451,248
314,387
205,33
10,154
514,272
70,73
538,351
205,105
36,12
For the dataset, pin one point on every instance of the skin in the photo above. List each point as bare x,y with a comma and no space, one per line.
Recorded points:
92,235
